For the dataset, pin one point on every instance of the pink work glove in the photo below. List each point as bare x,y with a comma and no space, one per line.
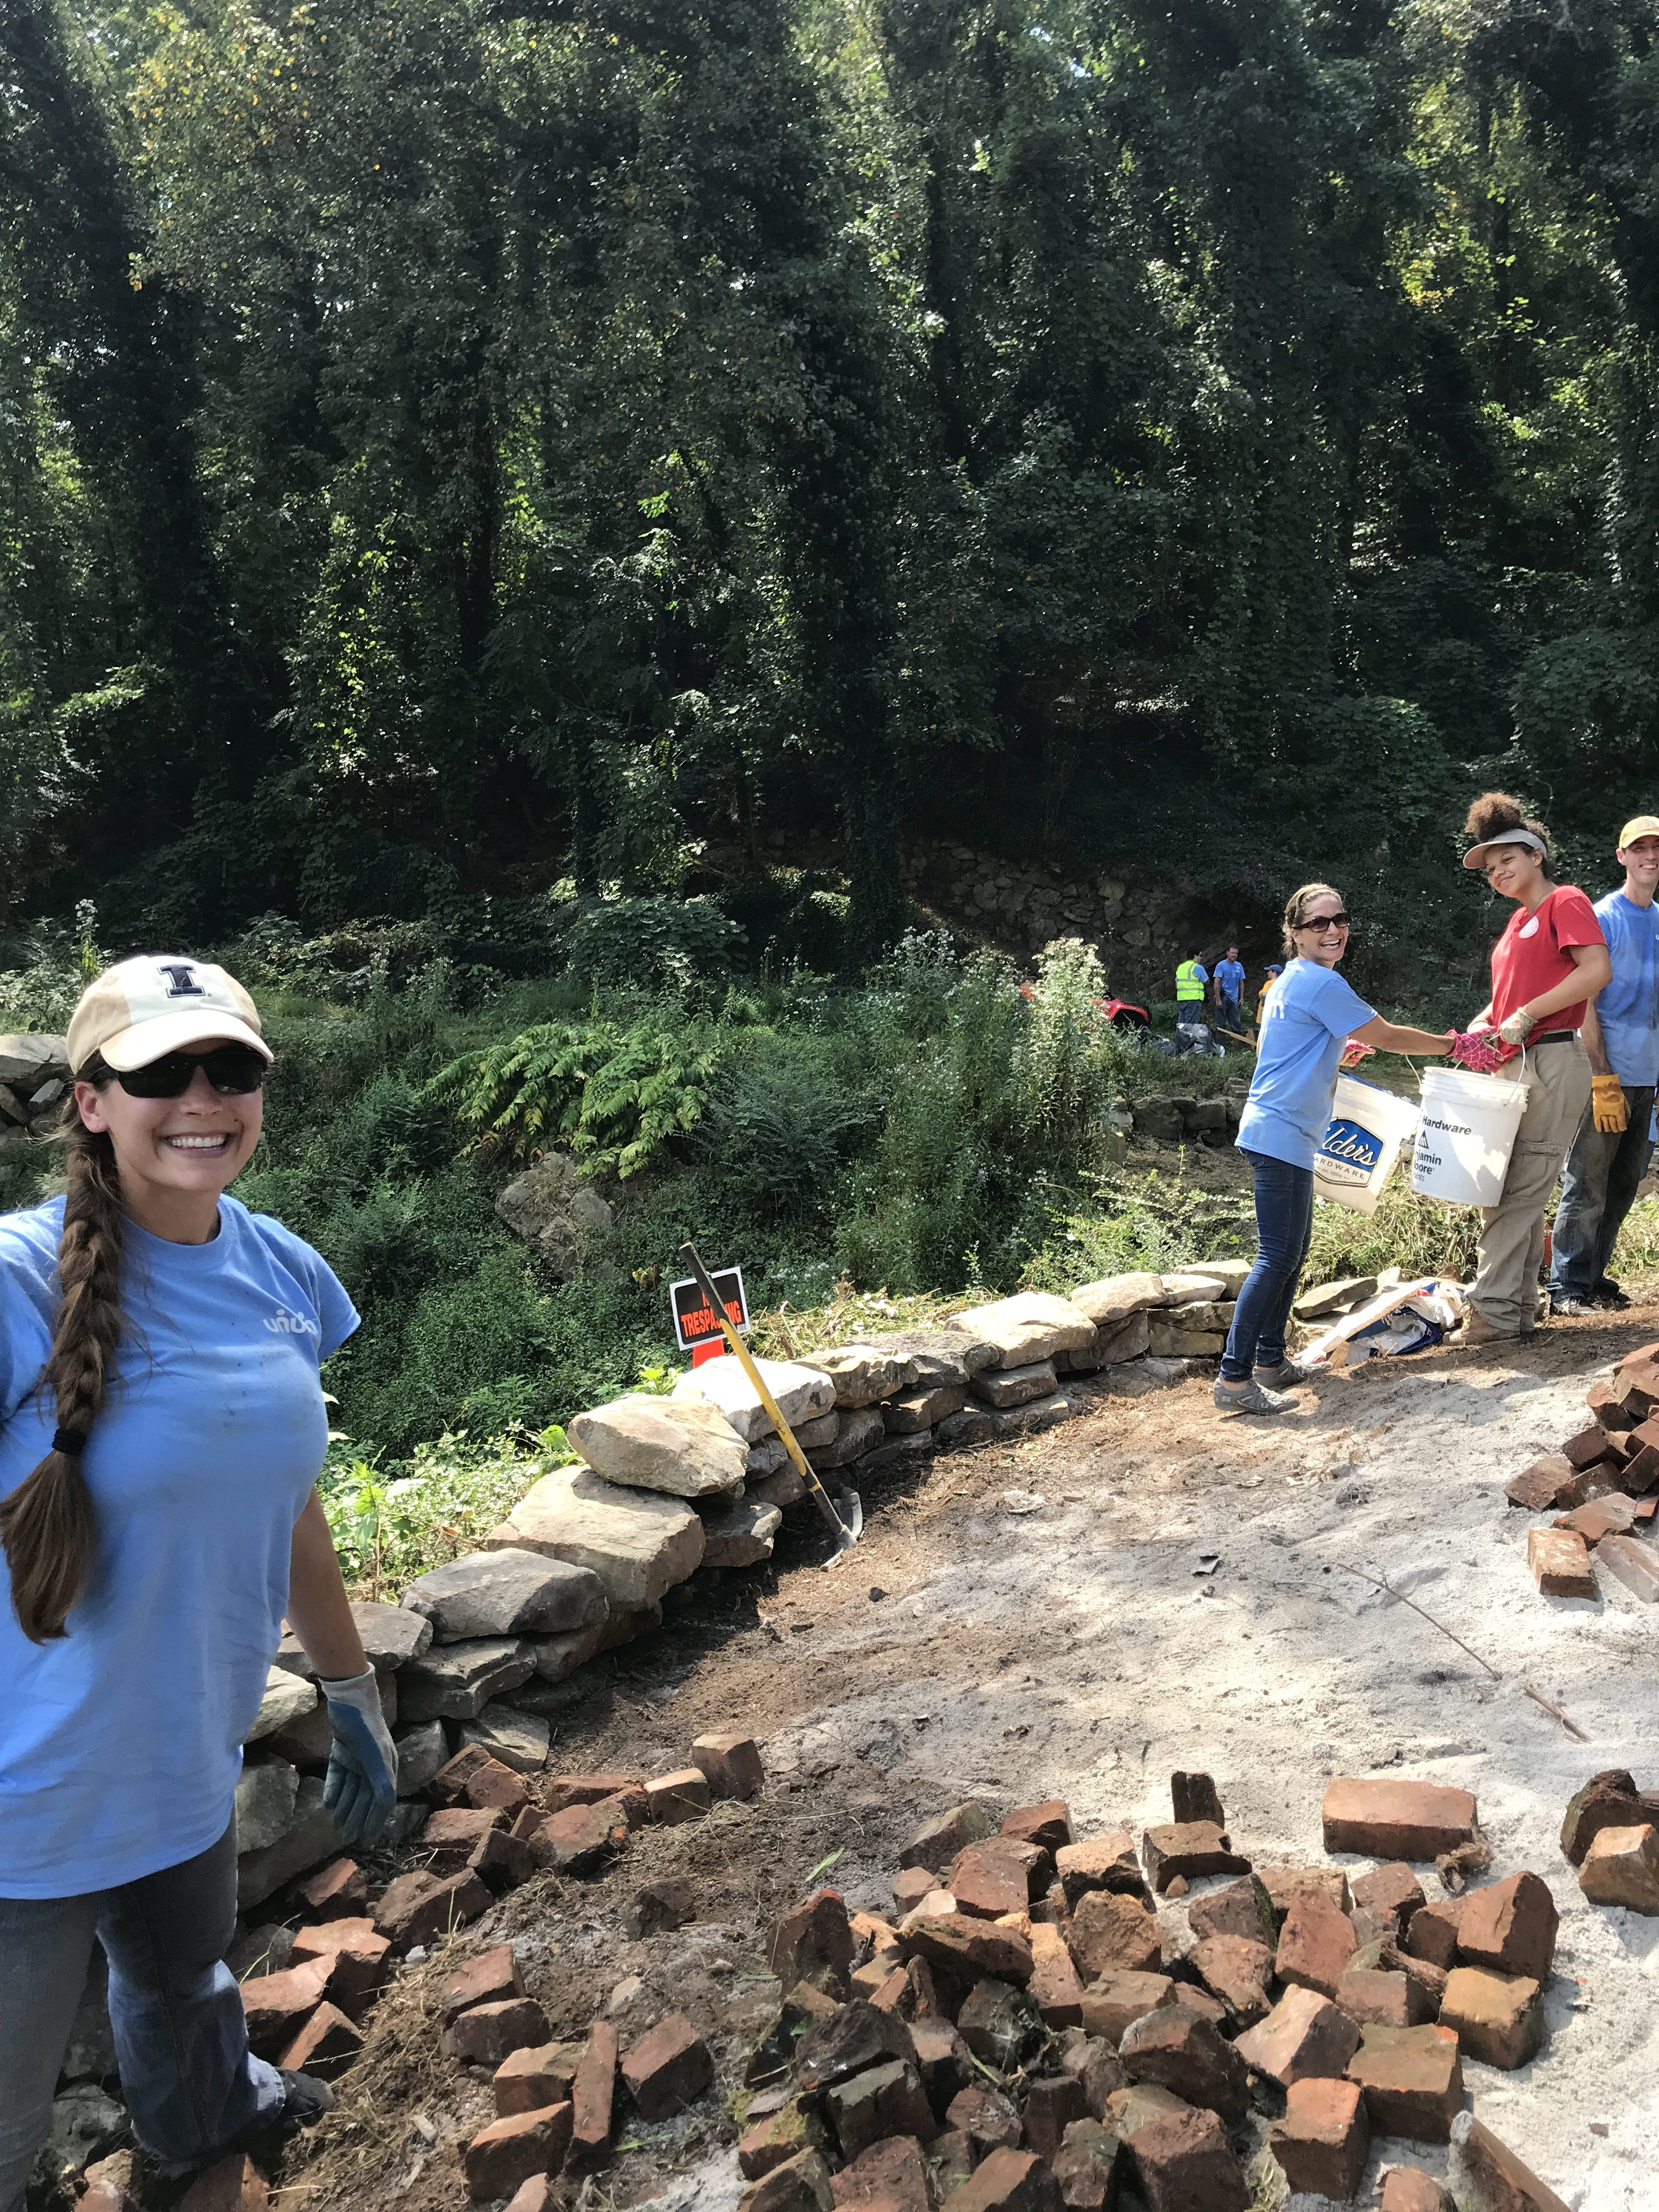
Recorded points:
1481,1051
1354,1052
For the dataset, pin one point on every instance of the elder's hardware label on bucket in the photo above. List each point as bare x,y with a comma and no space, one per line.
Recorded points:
1361,1144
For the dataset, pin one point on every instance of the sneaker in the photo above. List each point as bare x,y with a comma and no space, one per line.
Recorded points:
305,2099
1285,1376
1571,1309
1253,1399
1607,1293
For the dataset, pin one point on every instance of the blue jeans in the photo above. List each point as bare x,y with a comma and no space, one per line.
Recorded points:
1598,1188
1231,1012
1284,1226
180,2035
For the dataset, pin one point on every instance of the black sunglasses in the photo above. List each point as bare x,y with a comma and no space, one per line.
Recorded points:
1326,921
232,1069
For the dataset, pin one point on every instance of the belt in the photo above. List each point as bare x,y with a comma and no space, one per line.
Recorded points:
1550,1036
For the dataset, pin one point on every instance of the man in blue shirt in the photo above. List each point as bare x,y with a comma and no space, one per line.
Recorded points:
1230,992
1610,1153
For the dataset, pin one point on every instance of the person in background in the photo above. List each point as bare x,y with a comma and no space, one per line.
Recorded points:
1550,962
1192,988
1276,970
1230,992
1309,1024
1610,1153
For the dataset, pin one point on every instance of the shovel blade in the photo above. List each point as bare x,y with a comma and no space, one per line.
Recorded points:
849,1510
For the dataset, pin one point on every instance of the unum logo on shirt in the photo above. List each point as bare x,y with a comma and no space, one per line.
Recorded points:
291,1324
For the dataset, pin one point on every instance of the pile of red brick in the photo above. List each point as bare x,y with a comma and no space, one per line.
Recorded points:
1611,1833
1026,2034
1602,1486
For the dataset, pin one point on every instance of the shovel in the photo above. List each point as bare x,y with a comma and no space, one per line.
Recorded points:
845,1533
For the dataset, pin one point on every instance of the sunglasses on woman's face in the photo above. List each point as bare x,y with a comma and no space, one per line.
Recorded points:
233,1070
1326,921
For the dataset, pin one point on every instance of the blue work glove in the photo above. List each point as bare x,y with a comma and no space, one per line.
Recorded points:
360,1790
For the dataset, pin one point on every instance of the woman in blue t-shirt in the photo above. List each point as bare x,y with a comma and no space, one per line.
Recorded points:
1305,1025
162,1428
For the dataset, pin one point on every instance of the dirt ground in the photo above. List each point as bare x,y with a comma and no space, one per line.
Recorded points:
1027,1621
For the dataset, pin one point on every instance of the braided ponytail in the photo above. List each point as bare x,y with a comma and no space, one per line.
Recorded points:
47,1525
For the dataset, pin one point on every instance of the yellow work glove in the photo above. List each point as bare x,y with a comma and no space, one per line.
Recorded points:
1607,1105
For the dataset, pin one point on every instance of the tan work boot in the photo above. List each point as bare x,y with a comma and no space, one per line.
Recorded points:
1477,1329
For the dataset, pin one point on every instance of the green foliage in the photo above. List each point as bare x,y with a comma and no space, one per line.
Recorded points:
393,1522
613,1097
1129,1223
651,944
1419,1236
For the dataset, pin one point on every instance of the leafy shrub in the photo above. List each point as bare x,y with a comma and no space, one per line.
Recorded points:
614,1097
1070,1064
780,1125
1419,1236
1130,1222
651,944
393,1523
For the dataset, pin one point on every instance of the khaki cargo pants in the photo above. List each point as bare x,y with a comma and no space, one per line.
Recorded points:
1505,1293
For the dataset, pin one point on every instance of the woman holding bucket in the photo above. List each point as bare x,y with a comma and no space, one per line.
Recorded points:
1306,1025
1550,959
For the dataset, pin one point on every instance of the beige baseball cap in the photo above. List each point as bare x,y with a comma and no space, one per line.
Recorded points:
162,1002
1639,825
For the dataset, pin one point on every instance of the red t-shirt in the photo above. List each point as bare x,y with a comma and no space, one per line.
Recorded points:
1532,958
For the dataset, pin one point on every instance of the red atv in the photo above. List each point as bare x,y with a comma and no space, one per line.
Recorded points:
1118,1011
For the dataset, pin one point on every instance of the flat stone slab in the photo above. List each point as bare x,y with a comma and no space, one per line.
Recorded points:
264,1802
310,1837
1115,1297
801,1393
518,1739
941,1355
1397,1819
289,1697
740,1533
508,1593
638,1543
455,1681
861,1373
391,1637
683,1445
1033,1326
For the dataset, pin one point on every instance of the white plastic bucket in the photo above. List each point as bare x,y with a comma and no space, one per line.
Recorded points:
1368,1126
1465,1134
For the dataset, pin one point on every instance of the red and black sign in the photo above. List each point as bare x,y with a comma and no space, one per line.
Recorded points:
695,1320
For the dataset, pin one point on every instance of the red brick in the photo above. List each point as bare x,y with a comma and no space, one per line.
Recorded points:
1635,1478
1195,1797
890,2174
659,1905
1115,1999
485,2034
1324,2139
1007,2181
493,1975
1184,2161
513,2149
1389,1819
730,1764
1412,2079
1391,1892
1055,1989
1408,2189
813,1940
326,2045
1633,1564
1588,1446
1086,2166
1052,2104
1110,1933
1128,2111
338,1891
1509,1927
501,1861
1048,1825
677,1797
567,1789
1304,2035
109,2185
1611,1516
883,2100
234,2185
493,1786
593,2093
984,2116
1560,1563
995,1877
848,2041
531,2079
1500,2182
535,2195
1239,1973
361,1960
418,1908
448,1785
801,2184
1314,1944
1621,1867
1497,2018
582,1838
952,2159
943,2059
1182,2053
938,1841
1106,1862
1242,1908
667,2069
1544,1484
1190,1849
450,1832
1372,1997
1433,1932
1606,1801
276,2006
956,1944
910,1885
1283,1884
777,2138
